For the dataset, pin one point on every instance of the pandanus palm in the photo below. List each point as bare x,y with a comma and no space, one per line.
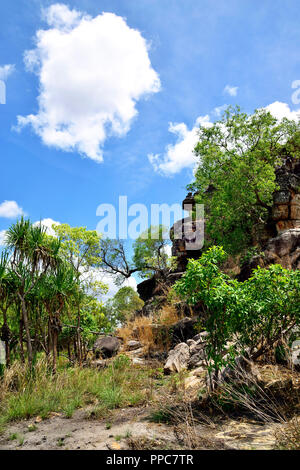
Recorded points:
55,290
32,254
6,299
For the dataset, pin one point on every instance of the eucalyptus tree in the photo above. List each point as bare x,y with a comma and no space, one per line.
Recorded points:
149,255
235,178
81,248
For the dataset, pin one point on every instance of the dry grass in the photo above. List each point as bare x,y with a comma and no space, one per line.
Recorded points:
192,429
288,436
266,392
169,315
139,329
153,336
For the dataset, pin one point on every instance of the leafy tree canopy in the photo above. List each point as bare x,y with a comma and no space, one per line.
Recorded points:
149,255
235,178
123,305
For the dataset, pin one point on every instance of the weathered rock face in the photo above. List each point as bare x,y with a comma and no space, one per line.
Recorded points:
106,347
284,249
184,329
186,246
286,200
178,359
284,246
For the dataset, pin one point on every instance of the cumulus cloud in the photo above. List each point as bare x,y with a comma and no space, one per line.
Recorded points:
231,90
47,224
92,72
6,71
280,110
10,210
179,155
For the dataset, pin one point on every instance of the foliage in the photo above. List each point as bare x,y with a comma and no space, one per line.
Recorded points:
123,305
235,178
70,388
81,247
47,292
255,313
149,255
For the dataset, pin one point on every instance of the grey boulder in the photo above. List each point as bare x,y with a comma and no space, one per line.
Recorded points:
106,347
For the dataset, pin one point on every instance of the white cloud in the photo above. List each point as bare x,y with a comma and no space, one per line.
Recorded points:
179,155
109,280
6,70
10,210
219,110
47,224
2,237
60,16
280,110
168,250
92,72
231,90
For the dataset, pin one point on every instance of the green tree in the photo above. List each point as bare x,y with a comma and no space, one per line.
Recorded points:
253,314
123,305
81,248
149,255
54,290
235,178
150,252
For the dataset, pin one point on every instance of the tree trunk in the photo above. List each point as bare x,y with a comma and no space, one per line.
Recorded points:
27,331
79,337
21,340
54,342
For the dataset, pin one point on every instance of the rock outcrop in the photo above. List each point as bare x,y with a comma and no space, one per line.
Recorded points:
184,329
178,359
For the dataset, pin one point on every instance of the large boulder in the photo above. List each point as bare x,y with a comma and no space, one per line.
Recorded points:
284,249
177,359
106,347
146,288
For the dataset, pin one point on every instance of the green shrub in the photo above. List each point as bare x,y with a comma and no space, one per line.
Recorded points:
255,313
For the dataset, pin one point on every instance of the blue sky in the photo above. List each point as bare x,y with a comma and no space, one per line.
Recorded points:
195,49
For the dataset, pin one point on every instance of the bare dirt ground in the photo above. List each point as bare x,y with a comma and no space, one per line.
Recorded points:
128,429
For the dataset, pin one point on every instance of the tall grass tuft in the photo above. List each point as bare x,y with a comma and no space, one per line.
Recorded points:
22,397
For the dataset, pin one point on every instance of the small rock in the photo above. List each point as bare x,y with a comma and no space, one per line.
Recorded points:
132,345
